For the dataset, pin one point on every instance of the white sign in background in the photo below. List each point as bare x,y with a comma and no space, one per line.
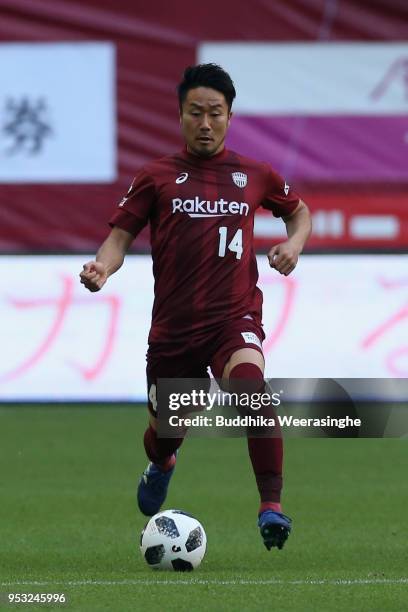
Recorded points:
334,317
57,112
314,78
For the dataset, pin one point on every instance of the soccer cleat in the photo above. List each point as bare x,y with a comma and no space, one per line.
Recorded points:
152,489
275,528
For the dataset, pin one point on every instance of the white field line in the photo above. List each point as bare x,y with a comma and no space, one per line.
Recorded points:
194,581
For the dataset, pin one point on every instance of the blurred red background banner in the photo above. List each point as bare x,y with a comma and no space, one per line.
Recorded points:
357,202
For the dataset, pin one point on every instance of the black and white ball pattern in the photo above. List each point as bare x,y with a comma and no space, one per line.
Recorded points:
173,540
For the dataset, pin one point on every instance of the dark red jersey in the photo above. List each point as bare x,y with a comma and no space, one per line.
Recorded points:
201,213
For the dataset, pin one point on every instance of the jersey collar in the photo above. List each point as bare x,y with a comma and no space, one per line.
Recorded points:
201,160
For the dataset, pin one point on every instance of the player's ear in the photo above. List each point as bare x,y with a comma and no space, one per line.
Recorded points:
229,118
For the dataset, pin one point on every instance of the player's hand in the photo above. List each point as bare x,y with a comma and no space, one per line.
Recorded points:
94,275
284,257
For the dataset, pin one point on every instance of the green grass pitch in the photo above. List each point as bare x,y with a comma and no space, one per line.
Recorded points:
69,521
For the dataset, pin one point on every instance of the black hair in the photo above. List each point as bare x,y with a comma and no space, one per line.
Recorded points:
206,75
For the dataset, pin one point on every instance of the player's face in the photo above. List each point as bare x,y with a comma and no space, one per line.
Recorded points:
204,121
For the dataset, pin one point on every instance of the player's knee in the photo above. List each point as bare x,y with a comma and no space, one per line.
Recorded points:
247,381
244,356
153,422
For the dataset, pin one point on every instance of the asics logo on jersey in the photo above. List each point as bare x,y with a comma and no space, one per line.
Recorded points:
286,188
208,208
182,178
240,179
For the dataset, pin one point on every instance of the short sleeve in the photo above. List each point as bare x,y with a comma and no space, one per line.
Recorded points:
135,207
279,196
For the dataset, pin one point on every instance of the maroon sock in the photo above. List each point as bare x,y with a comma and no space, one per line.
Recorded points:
274,506
161,450
265,447
266,457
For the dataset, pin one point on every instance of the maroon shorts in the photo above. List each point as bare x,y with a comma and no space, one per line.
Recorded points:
191,359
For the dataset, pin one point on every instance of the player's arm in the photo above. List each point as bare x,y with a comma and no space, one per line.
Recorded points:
109,259
284,256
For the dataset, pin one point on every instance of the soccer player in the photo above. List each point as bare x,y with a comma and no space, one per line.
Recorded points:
200,203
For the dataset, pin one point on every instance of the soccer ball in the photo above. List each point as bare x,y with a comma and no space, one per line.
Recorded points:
173,540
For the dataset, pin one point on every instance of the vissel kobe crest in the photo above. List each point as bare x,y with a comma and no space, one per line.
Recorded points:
240,179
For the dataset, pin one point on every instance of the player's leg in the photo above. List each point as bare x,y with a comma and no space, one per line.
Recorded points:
155,480
162,451
265,449
243,368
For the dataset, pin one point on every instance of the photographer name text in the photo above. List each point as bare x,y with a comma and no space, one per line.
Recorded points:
260,421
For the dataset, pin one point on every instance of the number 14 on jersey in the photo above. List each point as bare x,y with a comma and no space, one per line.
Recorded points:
235,245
